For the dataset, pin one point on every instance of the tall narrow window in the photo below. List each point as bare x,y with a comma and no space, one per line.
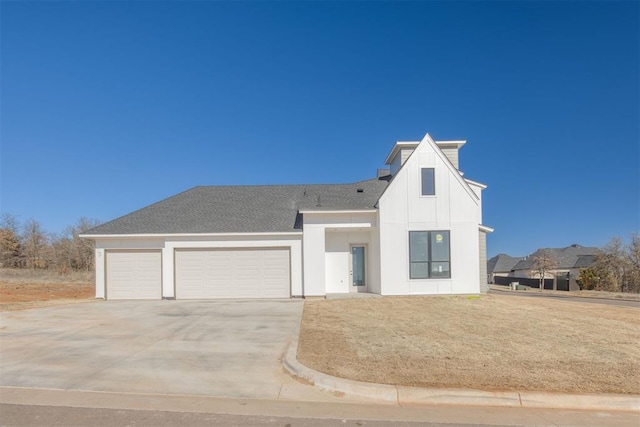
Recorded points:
440,254
429,255
428,182
419,254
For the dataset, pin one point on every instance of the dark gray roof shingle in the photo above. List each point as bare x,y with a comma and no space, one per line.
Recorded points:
242,209
566,258
502,263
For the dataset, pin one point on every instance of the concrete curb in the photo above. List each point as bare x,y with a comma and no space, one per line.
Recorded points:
406,396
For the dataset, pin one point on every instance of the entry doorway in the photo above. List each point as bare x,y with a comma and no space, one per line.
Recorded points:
358,268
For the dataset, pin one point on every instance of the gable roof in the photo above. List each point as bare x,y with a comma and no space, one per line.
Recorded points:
452,169
502,263
242,209
574,256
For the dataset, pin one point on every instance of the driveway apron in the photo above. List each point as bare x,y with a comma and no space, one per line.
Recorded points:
215,348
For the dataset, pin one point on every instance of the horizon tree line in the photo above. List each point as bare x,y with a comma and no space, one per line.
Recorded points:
27,245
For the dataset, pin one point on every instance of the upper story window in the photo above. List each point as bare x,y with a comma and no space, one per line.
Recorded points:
428,182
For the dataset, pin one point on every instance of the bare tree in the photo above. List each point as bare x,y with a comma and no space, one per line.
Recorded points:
543,264
633,255
35,242
615,263
10,247
83,248
61,247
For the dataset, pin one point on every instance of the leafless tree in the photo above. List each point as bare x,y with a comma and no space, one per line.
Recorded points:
83,249
542,264
10,247
615,262
633,255
34,241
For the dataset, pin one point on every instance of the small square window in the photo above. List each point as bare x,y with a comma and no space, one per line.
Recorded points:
428,182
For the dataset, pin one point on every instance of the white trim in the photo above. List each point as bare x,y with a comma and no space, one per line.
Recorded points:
331,211
453,143
397,146
136,236
447,162
485,229
335,227
475,183
452,168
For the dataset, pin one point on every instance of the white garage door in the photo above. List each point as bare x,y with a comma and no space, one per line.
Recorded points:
134,275
234,273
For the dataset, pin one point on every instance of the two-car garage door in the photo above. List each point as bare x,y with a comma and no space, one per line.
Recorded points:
200,273
232,273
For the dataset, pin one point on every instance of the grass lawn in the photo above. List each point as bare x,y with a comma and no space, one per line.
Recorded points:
490,342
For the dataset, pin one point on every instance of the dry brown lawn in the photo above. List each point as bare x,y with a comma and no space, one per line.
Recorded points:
21,289
490,342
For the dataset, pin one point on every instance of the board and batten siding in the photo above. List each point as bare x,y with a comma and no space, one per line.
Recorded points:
454,208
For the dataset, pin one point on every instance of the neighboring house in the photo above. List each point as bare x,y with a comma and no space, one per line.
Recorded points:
416,229
569,262
501,265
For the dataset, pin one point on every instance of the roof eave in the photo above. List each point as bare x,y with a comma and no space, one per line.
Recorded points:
161,235
321,210
485,229
396,147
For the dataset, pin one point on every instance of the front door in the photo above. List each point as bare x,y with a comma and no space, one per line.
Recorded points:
358,269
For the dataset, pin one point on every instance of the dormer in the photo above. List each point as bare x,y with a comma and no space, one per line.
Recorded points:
403,149
399,154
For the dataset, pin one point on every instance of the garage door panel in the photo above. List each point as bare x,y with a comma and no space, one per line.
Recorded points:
232,273
134,275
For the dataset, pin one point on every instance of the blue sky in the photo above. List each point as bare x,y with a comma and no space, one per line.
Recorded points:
109,106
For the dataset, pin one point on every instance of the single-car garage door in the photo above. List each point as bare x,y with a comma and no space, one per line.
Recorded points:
134,275
232,273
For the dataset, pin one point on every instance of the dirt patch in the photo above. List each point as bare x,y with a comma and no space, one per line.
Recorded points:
21,289
491,343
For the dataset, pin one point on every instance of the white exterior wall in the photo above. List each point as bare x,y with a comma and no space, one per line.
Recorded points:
170,243
327,239
103,245
338,259
452,155
477,189
455,208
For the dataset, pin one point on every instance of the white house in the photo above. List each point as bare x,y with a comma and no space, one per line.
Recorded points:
415,229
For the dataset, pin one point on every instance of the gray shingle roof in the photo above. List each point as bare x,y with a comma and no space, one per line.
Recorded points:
242,209
584,261
502,263
566,258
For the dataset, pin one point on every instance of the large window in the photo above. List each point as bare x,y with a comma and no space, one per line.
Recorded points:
429,255
428,182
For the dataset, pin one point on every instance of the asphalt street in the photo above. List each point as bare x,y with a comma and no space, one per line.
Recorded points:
36,416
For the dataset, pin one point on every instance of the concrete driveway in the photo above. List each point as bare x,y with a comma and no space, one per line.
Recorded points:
215,348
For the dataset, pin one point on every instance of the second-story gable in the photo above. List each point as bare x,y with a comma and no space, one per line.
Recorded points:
431,236
427,187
